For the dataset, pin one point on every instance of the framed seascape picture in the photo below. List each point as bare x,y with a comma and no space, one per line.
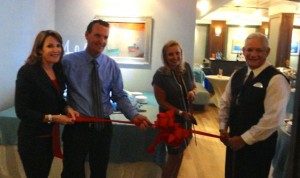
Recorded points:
237,46
295,48
129,40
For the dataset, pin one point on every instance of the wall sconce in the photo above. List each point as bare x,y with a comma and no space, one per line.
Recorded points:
218,31
266,31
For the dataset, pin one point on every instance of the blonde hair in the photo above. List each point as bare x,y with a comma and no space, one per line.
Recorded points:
166,69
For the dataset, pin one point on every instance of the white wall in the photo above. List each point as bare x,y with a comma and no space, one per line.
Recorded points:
20,22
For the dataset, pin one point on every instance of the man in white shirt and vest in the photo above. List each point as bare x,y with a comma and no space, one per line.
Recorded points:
251,111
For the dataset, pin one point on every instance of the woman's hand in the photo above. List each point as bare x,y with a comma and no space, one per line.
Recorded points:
189,117
191,95
62,119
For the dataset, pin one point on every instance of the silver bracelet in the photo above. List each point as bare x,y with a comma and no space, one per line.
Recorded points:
180,112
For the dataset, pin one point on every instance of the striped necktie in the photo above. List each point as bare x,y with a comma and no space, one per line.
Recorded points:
97,98
249,79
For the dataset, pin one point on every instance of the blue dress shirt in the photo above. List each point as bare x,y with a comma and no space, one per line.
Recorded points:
78,68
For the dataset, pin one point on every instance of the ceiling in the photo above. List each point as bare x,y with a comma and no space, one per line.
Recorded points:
249,12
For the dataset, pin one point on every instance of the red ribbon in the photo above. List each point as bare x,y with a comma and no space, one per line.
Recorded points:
171,133
56,132
56,142
92,119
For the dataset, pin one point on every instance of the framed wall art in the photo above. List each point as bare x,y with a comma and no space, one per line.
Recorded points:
237,46
129,40
295,48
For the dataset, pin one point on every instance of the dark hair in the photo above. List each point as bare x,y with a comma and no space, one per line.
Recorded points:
35,55
98,21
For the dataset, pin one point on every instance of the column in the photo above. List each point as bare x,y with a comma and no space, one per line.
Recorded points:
280,32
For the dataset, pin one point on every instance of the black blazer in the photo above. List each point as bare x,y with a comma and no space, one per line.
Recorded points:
36,96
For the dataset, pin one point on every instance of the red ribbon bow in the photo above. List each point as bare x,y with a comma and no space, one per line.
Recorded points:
171,132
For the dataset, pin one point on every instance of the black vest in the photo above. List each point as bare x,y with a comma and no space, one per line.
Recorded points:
247,104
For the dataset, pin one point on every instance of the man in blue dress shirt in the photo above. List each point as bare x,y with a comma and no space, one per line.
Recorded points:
82,139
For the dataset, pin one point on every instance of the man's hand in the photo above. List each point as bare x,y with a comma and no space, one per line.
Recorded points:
66,119
141,121
63,119
225,137
236,143
72,113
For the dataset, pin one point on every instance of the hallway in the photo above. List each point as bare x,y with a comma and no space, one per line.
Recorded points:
205,156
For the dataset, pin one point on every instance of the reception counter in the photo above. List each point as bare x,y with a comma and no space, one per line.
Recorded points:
228,66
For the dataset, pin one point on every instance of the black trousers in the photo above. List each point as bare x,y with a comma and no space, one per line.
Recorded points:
248,163
80,141
36,155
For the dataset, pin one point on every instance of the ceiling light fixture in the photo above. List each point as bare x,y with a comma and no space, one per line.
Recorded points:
238,2
257,12
203,6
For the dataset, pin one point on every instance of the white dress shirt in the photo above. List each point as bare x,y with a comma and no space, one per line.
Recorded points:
276,99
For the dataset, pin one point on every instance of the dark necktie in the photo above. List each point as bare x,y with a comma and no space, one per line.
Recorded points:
97,99
249,79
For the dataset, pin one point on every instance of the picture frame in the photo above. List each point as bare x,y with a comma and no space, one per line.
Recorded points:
295,48
237,46
130,39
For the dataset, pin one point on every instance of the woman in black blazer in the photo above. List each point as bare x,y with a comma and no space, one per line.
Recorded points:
40,104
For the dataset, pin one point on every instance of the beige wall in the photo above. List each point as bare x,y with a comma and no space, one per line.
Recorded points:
22,20
200,43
